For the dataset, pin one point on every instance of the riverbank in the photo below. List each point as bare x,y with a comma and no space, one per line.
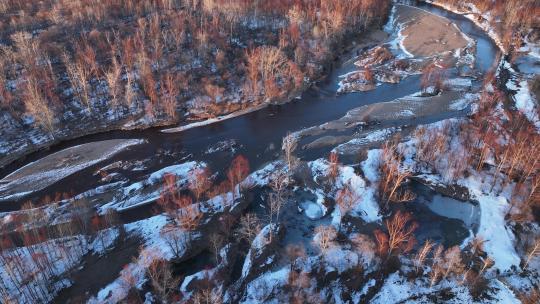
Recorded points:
17,143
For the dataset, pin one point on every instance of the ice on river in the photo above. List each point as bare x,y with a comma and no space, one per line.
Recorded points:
57,166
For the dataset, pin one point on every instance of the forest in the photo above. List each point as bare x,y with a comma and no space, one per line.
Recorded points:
279,151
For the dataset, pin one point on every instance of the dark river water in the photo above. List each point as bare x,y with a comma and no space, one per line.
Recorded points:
258,134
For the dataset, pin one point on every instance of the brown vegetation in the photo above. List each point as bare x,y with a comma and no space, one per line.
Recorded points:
433,76
237,172
161,278
346,198
333,167
399,237
393,177
156,55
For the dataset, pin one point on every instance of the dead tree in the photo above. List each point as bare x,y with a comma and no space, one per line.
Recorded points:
199,183
237,172
393,177
162,279
288,147
346,198
249,227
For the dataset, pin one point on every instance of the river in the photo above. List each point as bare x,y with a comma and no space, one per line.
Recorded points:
256,135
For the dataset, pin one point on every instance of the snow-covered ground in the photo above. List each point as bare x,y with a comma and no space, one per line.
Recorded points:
45,265
525,101
149,190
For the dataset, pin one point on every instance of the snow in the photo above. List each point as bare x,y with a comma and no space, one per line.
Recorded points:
373,136
492,226
397,289
39,179
370,166
340,260
525,103
499,238
483,23
358,295
493,207
401,39
149,190
214,120
458,84
366,207
313,210
389,26
150,230
397,43
256,247
104,240
155,247
396,31
181,170
504,294
230,145
262,176
75,247
201,275
463,103
258,290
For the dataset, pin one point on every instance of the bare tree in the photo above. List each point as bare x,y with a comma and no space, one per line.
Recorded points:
433,76
365,246
128,281
189,217
177,239
393,177
278,197
112,76
295,252
216,241
533,252
422,254
265,64
207,296
169,94
288,146
249,227
401,232
199,182
325,237
333,167
161,278
346,198
129,91
37,106
237,172
79,75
